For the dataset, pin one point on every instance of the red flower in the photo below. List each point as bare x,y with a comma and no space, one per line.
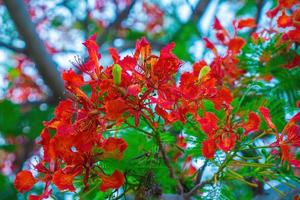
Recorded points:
294,35
210,45
181,142
272,13
266,114
92,48
63,114
166,66
188,167
142,49
253,123
295,63
209,148
235,44
24,181
296,18
284,21
226,141
246,23
292,130
217,25
221,34
63,181
287,3
114,148
114,181
115,109
114,54
209,123
72,80
133,90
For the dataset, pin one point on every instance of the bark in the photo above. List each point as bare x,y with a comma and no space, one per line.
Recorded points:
35,47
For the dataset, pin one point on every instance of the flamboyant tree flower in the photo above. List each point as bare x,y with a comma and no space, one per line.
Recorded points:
24,181
148,88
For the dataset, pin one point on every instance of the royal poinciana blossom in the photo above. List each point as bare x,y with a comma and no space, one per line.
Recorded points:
145,87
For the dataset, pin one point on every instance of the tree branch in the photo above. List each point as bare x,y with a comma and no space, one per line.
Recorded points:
195,189
168,164
115,24
196,15
260,5
35,47
200,173
12,48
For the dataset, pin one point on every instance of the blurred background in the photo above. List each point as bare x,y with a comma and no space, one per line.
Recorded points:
40,38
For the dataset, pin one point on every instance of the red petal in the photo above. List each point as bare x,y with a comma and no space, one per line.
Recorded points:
142,48
133,90
209,44
226,142
217,25
252,124
209,123
181,142
72,79
114,54
209,148
65,110
24,181
266,114
272,13
236,44
114,181
114,148
92,48
284,21
115,108
287,3
63,181
294,35
246,23
296,18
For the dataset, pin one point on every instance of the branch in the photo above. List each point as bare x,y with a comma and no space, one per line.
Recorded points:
260,5
168,164
195,189
35,47
199,10
196,15
200,173
115,24
12,48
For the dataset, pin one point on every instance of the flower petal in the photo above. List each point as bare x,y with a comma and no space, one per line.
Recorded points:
24,181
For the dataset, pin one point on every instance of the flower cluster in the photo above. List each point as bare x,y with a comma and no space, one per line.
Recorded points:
145,86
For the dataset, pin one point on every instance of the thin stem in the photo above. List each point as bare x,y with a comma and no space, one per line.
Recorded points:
168,164
259,147
139,129
164,155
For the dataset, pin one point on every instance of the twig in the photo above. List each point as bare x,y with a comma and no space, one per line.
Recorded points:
119,19
260,5
12,48
168,164
200,173
196,15
195,188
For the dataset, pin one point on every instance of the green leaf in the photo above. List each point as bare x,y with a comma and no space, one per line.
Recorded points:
9,118
8,147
